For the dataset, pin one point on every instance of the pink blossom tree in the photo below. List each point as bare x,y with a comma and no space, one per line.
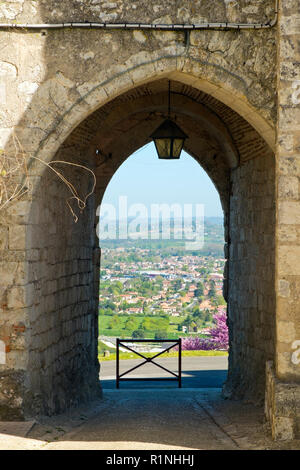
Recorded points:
218,339
219,334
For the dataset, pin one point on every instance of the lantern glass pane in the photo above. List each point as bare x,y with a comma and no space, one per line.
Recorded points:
163,147
177,147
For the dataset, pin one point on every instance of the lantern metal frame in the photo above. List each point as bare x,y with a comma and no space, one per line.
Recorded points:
168,137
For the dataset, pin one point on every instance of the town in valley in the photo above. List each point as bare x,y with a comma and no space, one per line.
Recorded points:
157,289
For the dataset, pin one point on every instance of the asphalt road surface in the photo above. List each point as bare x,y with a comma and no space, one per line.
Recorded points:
197,372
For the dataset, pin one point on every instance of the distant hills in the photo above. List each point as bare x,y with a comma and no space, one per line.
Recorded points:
213,238
214,220
207,220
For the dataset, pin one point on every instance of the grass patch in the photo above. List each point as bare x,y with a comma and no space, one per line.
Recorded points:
103,347
122,332
124,356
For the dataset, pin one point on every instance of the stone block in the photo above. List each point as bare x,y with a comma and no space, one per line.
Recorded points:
288,187
288,261
289,212
282,406
286,332
3,238
17,237
16,298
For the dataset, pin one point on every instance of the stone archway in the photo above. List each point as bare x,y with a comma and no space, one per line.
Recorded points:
51,81
58,364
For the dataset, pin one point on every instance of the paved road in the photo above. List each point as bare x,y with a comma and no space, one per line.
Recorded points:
138,419
132,418
197,372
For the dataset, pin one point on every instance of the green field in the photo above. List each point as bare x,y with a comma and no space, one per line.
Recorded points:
123,355
121,332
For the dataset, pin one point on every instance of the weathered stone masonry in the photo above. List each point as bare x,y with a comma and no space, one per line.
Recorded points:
283,389
66,94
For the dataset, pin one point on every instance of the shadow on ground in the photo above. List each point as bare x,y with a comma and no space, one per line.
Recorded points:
142,419
190,379
150,419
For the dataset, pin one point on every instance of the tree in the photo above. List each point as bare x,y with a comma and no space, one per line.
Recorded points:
187,321
109,312
138,334
131,324
212,290
114,322
146,310
105,304
218,339
219,334
208,317
200,287
199,292
220,300
161,334
115,288
176,285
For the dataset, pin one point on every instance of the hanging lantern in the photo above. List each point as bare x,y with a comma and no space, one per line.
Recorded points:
168,137
169,140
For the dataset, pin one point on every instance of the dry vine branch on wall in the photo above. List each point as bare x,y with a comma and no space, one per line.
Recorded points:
15,178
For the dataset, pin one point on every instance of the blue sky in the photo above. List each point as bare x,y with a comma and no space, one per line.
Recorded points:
145,179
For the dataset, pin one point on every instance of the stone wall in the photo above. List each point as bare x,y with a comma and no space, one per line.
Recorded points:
62,301
283,374
251,295
59,96
125,11
288,198
51,312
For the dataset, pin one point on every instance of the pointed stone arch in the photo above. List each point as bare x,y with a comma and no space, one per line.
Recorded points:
58,289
